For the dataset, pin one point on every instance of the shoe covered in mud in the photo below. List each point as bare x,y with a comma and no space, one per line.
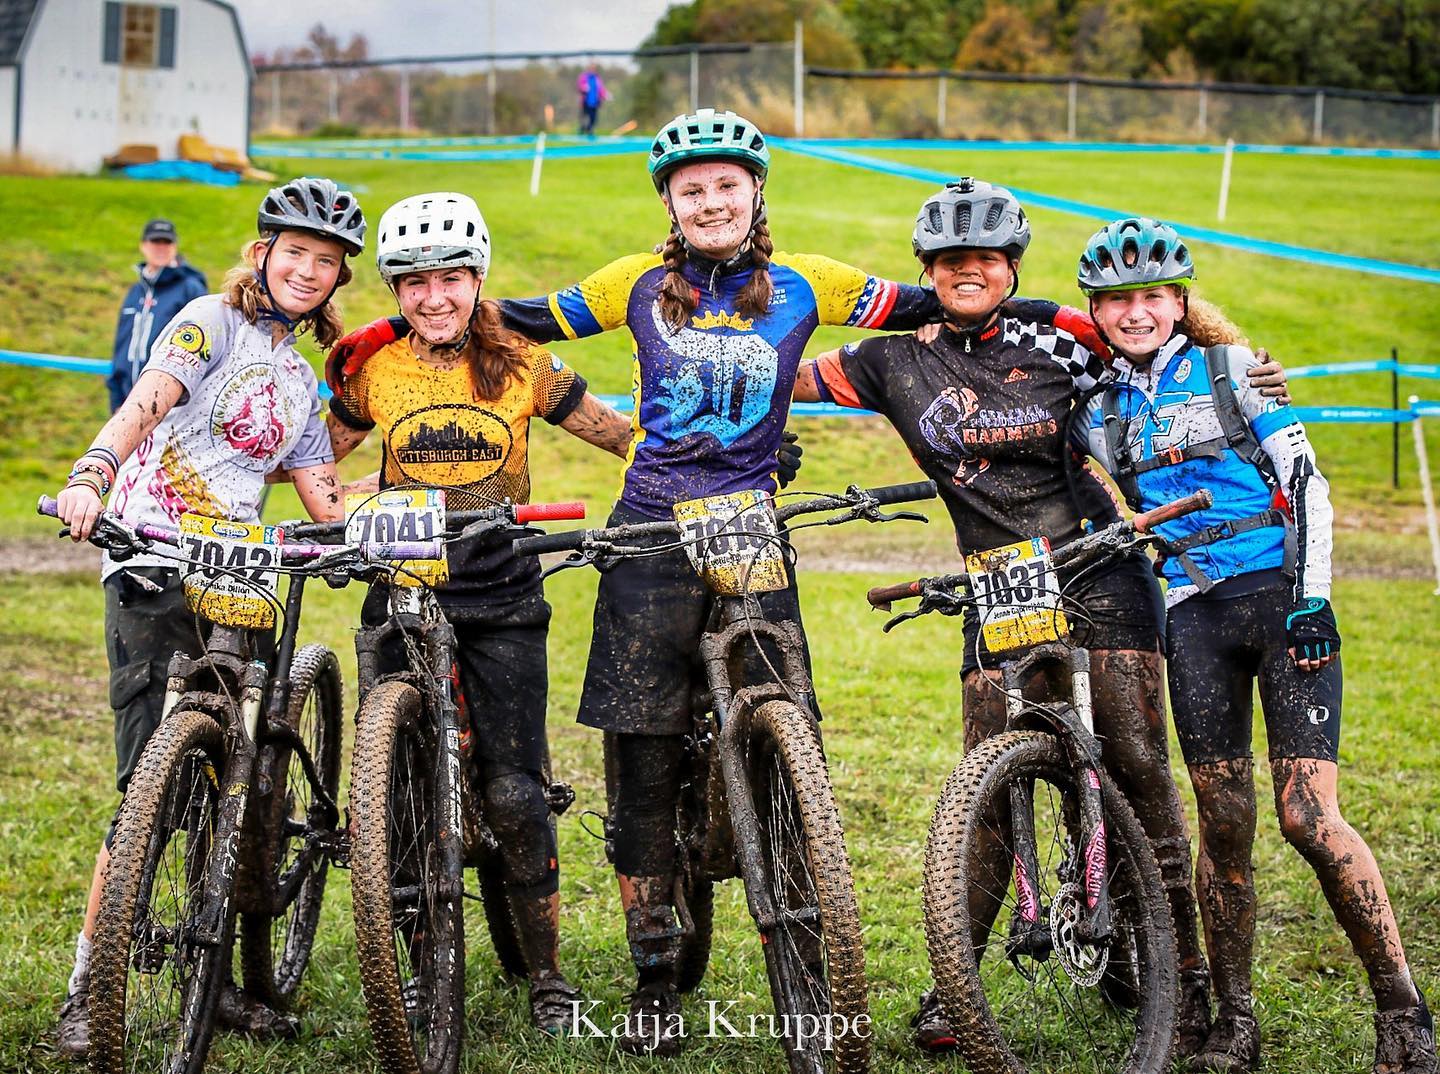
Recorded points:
72,1035
1233,1045
654,1025
1405,1041
1192,1020
554,1002
243,1013
933,1034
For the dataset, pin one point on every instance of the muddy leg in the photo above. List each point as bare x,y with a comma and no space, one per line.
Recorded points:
1225,795
1307,802
984,710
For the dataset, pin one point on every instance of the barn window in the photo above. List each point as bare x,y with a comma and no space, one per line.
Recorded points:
139,35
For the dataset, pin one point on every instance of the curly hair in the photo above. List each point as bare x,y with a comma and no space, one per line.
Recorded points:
242,290
1206,325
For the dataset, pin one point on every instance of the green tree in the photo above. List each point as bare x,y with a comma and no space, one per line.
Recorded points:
911,33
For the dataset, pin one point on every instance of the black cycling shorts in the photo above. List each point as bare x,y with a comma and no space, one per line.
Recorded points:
644,669
1218,646
503,673
1115,606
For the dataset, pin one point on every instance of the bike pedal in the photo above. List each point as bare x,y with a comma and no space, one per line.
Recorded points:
559,797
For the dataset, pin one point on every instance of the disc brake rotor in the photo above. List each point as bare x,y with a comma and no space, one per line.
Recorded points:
1084,963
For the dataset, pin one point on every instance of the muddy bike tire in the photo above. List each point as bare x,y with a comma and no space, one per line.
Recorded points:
152,1003
693,959
409,938
815,955
1006,1022
275,948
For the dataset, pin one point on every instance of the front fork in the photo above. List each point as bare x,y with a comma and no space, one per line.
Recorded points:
1030,931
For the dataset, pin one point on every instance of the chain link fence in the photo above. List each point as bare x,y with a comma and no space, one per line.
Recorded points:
520,94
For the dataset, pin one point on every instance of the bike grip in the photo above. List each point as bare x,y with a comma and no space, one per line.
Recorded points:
1196,501
549,542
48,506
548,512
915,490
883,595
403,550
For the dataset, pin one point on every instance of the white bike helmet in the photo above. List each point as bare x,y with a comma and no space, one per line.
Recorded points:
430,231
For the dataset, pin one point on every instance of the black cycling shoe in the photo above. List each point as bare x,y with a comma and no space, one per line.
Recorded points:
653,1026
1405,1041
554,1003
243,1013
933,1034
1233,1046
72,1035
1192,1020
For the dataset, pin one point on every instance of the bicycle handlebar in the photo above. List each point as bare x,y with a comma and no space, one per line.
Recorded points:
513,513
1196,501
573,540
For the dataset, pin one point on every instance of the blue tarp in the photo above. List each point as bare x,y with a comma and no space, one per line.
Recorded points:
193,171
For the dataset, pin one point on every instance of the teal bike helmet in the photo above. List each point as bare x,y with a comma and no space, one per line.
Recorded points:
1137,252
707,135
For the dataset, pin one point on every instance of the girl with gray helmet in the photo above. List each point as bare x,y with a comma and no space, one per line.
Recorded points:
720,321
983,405
1248,605
225,401
457,368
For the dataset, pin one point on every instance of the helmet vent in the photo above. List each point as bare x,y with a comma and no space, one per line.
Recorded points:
1130,253
424,227
962,218
1157,252
400,230
470,230
1182,255
934,219
993,214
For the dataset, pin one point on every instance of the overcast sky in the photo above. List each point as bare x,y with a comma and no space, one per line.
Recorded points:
448,27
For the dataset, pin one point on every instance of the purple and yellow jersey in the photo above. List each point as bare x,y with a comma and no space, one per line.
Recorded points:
711,399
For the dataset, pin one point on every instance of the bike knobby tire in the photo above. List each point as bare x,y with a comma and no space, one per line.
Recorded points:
153,984
1045,1010
409,935
814,954
276,941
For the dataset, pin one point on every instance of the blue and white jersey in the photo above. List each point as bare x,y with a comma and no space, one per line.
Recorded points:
1166,406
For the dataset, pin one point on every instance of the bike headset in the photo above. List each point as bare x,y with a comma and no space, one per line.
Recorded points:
710,135
1131,254
971,214
433,231
318,207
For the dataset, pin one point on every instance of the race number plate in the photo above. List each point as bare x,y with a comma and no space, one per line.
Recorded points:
231,579
400,515
733,542
1017,595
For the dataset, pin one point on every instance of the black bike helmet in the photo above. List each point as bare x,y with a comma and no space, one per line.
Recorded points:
318,206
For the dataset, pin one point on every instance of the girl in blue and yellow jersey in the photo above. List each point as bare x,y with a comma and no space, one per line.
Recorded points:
720,322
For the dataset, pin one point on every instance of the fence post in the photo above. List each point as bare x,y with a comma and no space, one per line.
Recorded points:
1395,426
334,95
694,80
275,100
940,105
1070,102
1225,179
1435,124
1316,133
1202,120
1427,493
404,98
799,78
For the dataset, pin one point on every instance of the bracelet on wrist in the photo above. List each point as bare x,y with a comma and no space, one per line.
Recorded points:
105,457
83,467
88,482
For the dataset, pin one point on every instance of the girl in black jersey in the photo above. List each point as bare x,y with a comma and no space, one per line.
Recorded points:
983,407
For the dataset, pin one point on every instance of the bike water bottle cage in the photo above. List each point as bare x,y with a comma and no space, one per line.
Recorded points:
1236,435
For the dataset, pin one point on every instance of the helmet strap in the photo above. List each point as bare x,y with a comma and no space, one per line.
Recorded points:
272,312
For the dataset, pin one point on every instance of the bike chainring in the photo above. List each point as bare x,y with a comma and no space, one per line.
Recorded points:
1083,962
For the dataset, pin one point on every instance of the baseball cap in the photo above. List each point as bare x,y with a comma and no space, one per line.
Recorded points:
159,230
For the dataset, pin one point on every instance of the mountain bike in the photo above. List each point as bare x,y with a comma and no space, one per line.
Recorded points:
1049,934
415,805
231,810
756,799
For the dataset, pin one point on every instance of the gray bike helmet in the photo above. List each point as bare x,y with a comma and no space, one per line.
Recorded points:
317,206
970,214
1129,254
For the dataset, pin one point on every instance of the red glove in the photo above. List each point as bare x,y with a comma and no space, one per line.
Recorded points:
1079,325
350,352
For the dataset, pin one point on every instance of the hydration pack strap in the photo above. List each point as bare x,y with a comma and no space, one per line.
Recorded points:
1271,516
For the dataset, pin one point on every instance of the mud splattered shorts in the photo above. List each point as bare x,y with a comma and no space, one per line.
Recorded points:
1218,646
644,668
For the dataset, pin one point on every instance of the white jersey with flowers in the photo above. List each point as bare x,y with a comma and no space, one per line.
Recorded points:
248,407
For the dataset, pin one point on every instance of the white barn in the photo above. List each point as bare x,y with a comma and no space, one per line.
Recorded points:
80,78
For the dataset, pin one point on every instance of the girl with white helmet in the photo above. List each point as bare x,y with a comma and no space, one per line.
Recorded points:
453,399
224,401
720,321
1248,606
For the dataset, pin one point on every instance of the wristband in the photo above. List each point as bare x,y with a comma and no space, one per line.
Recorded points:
84,466
89,482
106,457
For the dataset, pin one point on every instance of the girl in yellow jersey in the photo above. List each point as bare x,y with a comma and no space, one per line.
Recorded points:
453,400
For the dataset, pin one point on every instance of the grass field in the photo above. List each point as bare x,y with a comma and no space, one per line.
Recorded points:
891,702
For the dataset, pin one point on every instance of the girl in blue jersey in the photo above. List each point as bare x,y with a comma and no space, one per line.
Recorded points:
1248,600
720,321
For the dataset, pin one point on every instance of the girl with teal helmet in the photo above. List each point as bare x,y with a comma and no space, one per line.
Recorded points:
1248,603
720,321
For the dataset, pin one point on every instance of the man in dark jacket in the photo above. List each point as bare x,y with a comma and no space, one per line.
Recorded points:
166,283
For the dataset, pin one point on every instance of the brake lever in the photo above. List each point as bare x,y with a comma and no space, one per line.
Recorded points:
578,558
895,621
484,525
